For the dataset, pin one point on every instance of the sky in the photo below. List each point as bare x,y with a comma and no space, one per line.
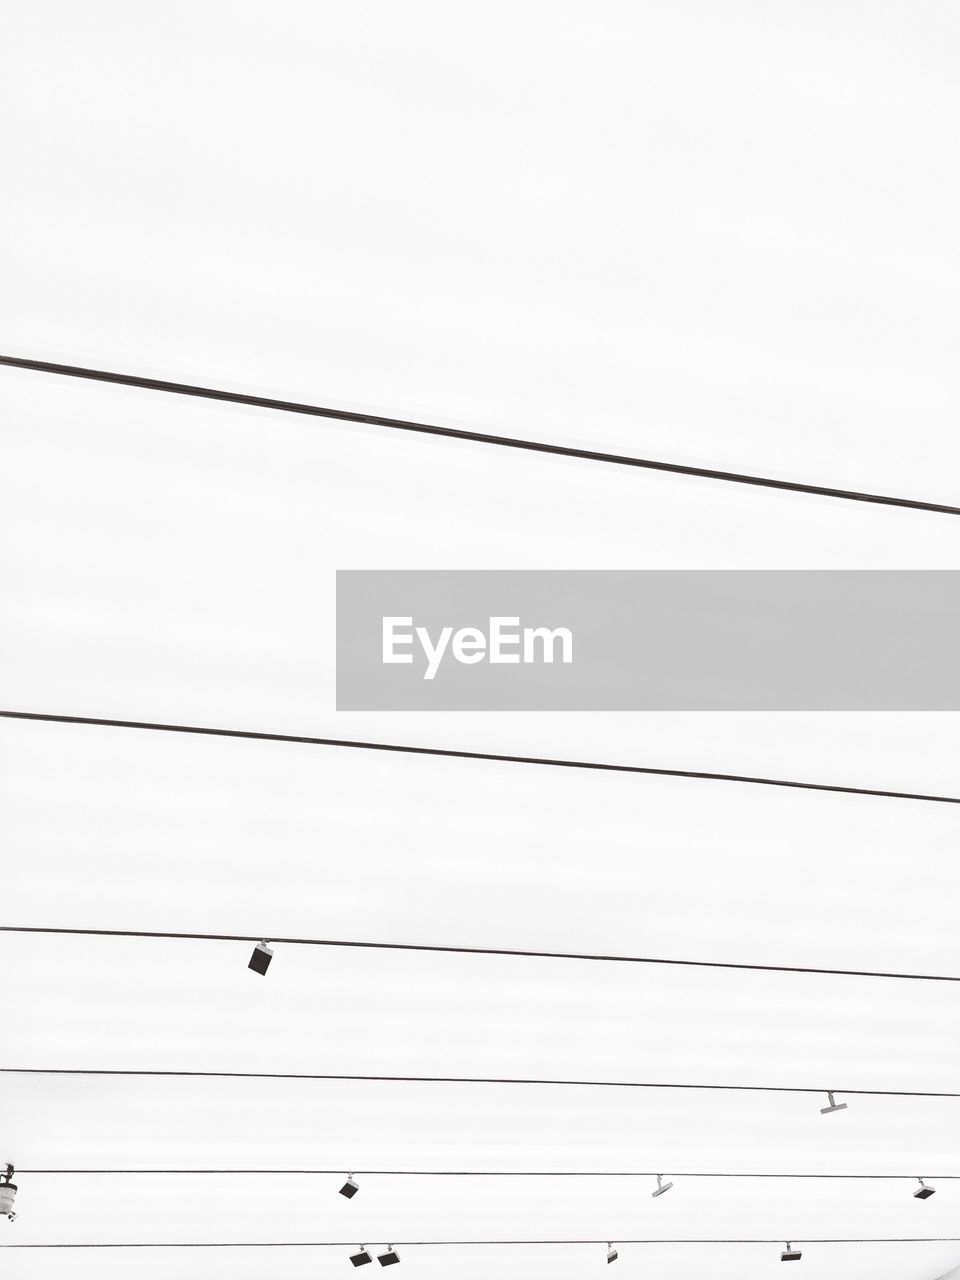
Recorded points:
722,236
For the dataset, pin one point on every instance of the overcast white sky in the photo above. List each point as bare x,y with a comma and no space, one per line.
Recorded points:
722,235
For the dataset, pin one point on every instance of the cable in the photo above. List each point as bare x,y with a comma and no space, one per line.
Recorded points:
505,1080
478,437
483,1173
449,753
453,1244
478,951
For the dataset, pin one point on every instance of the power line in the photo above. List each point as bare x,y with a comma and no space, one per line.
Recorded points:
512,952
471,1080
452,754
486,1173
453,1244
478,437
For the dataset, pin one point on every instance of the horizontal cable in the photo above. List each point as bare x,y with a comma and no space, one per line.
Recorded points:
453,1244
458,433
254,735
488,1173
513,952
505,1080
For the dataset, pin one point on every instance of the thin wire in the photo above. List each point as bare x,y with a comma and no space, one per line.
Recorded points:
505,1080
410,1244
497,757
478,437
513,952
488,1173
